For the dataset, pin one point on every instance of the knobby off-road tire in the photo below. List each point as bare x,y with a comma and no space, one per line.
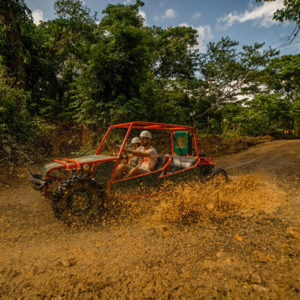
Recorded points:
79,200
218,173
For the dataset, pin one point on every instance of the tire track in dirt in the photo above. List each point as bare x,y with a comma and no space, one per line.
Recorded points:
280,161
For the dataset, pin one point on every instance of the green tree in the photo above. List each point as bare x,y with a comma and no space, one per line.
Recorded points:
110,89
173,72
176,54
74,10
290,13
62,47
16,28
228,74
220,71
14,117
254,60
282,75
296,116
265,114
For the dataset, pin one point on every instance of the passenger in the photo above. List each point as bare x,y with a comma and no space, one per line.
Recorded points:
147,156
136,143
124,167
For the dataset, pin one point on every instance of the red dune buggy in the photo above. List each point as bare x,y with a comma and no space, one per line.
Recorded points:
78,187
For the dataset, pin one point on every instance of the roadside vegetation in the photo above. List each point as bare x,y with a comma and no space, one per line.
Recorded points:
79,74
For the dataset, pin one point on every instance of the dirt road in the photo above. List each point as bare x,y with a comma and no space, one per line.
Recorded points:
242,242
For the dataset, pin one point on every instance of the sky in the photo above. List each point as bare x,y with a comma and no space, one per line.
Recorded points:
244,21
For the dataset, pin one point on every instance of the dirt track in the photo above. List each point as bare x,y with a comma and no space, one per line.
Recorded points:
250,250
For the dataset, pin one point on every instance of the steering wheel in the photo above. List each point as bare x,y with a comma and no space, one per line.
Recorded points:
124,156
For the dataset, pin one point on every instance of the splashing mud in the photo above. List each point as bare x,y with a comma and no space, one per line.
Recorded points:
198,201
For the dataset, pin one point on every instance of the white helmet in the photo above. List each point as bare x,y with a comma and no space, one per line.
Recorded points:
145,134
135,140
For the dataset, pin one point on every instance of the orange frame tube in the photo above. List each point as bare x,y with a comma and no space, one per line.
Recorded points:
68,167
119,156
103,139
78,167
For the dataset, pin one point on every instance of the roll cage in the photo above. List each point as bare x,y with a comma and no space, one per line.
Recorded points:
151,126
162,171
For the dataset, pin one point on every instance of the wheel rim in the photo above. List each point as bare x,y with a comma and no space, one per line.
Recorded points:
79,202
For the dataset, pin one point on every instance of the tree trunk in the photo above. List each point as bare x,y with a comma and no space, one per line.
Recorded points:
85,135
208,125
228,126
221,125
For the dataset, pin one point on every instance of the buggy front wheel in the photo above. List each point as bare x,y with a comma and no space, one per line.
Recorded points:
78,200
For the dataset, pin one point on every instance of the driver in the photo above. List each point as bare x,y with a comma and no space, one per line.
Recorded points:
147,156
124,167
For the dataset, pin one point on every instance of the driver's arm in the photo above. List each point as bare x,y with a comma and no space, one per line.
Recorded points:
139,154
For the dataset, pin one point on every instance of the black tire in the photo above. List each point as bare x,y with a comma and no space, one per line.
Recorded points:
78,200
218,173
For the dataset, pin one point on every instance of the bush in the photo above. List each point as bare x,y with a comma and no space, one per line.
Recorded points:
14,117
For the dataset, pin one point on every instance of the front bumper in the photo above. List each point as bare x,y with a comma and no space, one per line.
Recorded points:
36,181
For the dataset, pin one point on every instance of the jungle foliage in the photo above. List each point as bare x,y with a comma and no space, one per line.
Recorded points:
93,73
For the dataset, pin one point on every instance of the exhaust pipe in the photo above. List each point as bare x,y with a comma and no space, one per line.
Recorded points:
36,181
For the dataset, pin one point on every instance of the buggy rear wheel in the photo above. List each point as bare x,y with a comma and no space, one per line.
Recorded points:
218,173
78,200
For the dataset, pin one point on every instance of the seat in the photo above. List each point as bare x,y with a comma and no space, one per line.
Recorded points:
181,162
161,161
